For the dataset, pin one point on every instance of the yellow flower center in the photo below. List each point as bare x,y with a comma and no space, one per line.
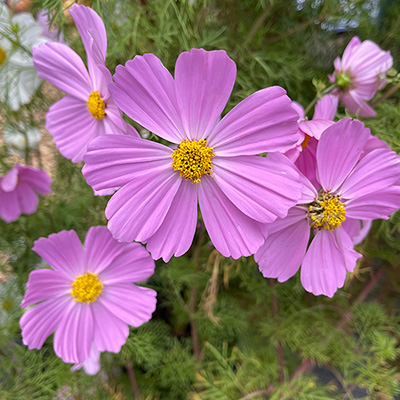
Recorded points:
87,288
3,56
96,105
193,159
326,212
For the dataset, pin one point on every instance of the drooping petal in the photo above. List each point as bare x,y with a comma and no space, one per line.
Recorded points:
323,270
326,107
204,82
36,178
307,163
74,335
357,229
346,245
27,198
356,105
145,91
63,252
132,304
92,364
232,232
175,235
10,208
62,67
336,160
262,188
263,122
9,181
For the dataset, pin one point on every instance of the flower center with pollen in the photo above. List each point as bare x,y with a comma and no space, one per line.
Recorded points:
193,159
3,56
96,105
326,212
86,288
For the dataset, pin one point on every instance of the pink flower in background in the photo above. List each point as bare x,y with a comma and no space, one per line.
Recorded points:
87,297
359,74
88,111
19,189
44,17
212,161
359,181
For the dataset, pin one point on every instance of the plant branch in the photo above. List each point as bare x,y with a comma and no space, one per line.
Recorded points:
135,388
260,20
279,351
387,94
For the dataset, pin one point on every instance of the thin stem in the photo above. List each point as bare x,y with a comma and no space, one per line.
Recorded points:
262,392
318,96
392,90
279,351
131,374
260,20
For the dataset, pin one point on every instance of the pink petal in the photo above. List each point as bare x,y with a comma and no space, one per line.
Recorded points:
63,252
92,364
338,152
145,91
10,208
232,232
62,67
326,107
315,127
357,105
307,163
27,198
175,235
262,188
138,209
9,181
132,304
115,160
323,270
345,243
349,51
263,122
204,82
37,179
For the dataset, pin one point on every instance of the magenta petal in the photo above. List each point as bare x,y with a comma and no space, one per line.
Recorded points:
138,209
110,332
176,233
263,122
232,232
357,105
283,251
62,67
307,164
262,188
145,91
115,160
40,321
204,82
326,107
345,243
10,208
63,252
132,304
338,151
28,199
9,181
323,270
315,127
37,179
376,171
74,336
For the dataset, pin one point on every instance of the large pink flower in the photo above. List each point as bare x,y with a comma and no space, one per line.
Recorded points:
359,74
18,191
357,181
87,297
213,161
89,110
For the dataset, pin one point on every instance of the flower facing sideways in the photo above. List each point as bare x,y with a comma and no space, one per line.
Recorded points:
88,297
212,161
357,181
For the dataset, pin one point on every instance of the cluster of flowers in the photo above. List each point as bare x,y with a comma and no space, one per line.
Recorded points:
307,203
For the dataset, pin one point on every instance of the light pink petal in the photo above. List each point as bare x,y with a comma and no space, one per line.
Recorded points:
175,235
323,270
357,105
307,163
338,152
132,304
356,229
36,178
62,67
262,188
43,284
145,91
92,364
326,107
110,332
283,251
365,228
349,51
377,170
204,82
263,122
374,143
299,109
40,321
293,153
63,251
232,232
10,208
315,127
346,245
115,160
74,336
72,127
138,209
27,198
9,181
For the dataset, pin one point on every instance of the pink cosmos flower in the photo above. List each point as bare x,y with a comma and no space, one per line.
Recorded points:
357,181
89,110
87,297
212,161
18,191
359,75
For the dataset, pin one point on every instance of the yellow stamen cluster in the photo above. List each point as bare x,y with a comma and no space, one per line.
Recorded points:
3,56
193,159
96,105
326,212
86,288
